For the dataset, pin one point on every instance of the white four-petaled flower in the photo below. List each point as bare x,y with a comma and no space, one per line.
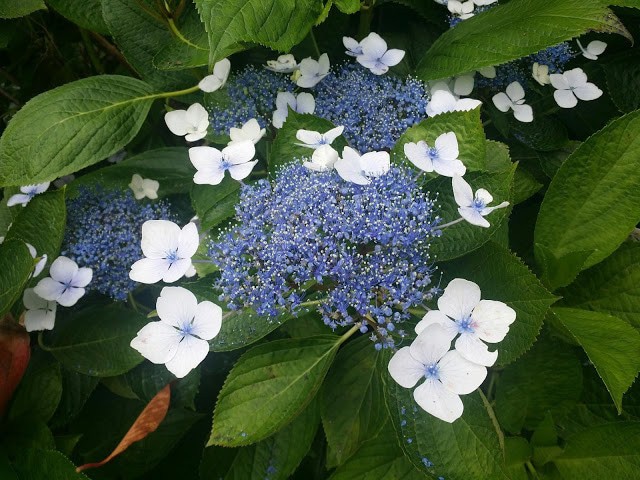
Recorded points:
443,101
66,282
40,313
323,159
284,64
473,208
211,163
593,50
312,71
28,192
250,130
376,56
514,99
144,187
572,85
191,123
441,158
218,78
179,340
352,45
540,73
462,312
358,169
167,250
301,103
312,139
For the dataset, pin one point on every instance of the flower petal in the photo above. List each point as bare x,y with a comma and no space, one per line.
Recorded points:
460,375
176,120
239,152
472,216
416,153
176,306
157,342
33,301
447,146
462,191
159,237
434,398
474,350
501,101
309,138
431,345
405,369
375,164
82,278
523,113
305,103
575,77
207,321
63,269
190,353
49,289
392,57
515,91
441,101
18,199
242,171
565,98
435,316
492,319
148,270
70,296
558,81
463,85
587,92
177,270
459,299
36,320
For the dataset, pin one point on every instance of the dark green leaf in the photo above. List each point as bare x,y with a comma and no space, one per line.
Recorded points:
36,464
21,8
215,203
85,13
16,266
189,47
76,389
623,74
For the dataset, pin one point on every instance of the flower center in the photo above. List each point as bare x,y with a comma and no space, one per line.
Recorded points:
432,153
478,204
432,372
466,325
186,328
172,255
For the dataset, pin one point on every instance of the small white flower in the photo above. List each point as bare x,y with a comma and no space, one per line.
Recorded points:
64,180
180,339
443,101
312,139
301,103
211,163
461,312
572,84
167,250
284,64
375,55
353,46
28,192
323,159
249,131
37,270
66,282
215,81
463,10
446,374
40,314
594,49
463,84
514,100
360,169
312,71
191,123
441,158
144,187
540,74
473,208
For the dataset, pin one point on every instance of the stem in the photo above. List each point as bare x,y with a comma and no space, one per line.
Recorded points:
178,34
440,227
88,47
492,382
531,469
494,420
202,261
366,15
310,303
41,343
351,331
132,301
175,93
315,44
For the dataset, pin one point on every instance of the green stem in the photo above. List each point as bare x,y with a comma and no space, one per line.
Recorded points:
492,382
91,53
440,227
178,34
132,301
175,93
41,343
366,15
310,303
351,331
314,43
494,420
531,469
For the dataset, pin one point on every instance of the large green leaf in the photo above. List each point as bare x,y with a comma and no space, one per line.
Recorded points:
511,31
36,464
16,266
351,403
215,203
95,341
21,8
277,24
71,127
592,203
85,13
612,345
190,45
76,389
269,386
623,74
502,276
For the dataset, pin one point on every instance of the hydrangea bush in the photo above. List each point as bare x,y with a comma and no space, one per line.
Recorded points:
261,239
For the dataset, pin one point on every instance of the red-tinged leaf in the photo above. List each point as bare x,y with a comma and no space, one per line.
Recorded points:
14,358
148,421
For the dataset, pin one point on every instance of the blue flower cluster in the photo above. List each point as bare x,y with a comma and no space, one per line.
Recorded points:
355,251
556,57
374,109
252,93
104,232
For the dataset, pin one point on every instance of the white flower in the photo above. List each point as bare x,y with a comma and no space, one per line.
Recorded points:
443,101
572,84
441,158
360,169
312,71
167,250
302,103
375,55
213,82
144,187
463,10
540,74
594,49
476,321
191,123
353,46
323,159
28,192
250,131
473,208
284,64
66,282
463,84
37,270
40,314
514,100
180,339
312,139
447,374
211,163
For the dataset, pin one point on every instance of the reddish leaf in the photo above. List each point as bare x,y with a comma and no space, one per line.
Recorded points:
148,421
14,358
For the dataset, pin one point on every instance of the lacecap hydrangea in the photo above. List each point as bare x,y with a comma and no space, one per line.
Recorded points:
104,232
360,253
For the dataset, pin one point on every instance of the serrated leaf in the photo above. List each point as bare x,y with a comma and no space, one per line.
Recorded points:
85,13
511,31
76,389
623,73
277,24
22,8
16,266
189,47
592,203
504,277
525,185
612,345
215,203
36,464
347,6
71,127
269,386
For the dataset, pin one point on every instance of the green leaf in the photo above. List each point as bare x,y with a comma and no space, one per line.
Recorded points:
467,127
16,266
22,8
592,203
546,133
71,127
277,24
502,276
351,402
269,386
189,47
548,378
215,203
41,223
612,286
623,73
525,185
604,451
514,30
85,13
347,6
36,464
95,341
612,345
76,389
